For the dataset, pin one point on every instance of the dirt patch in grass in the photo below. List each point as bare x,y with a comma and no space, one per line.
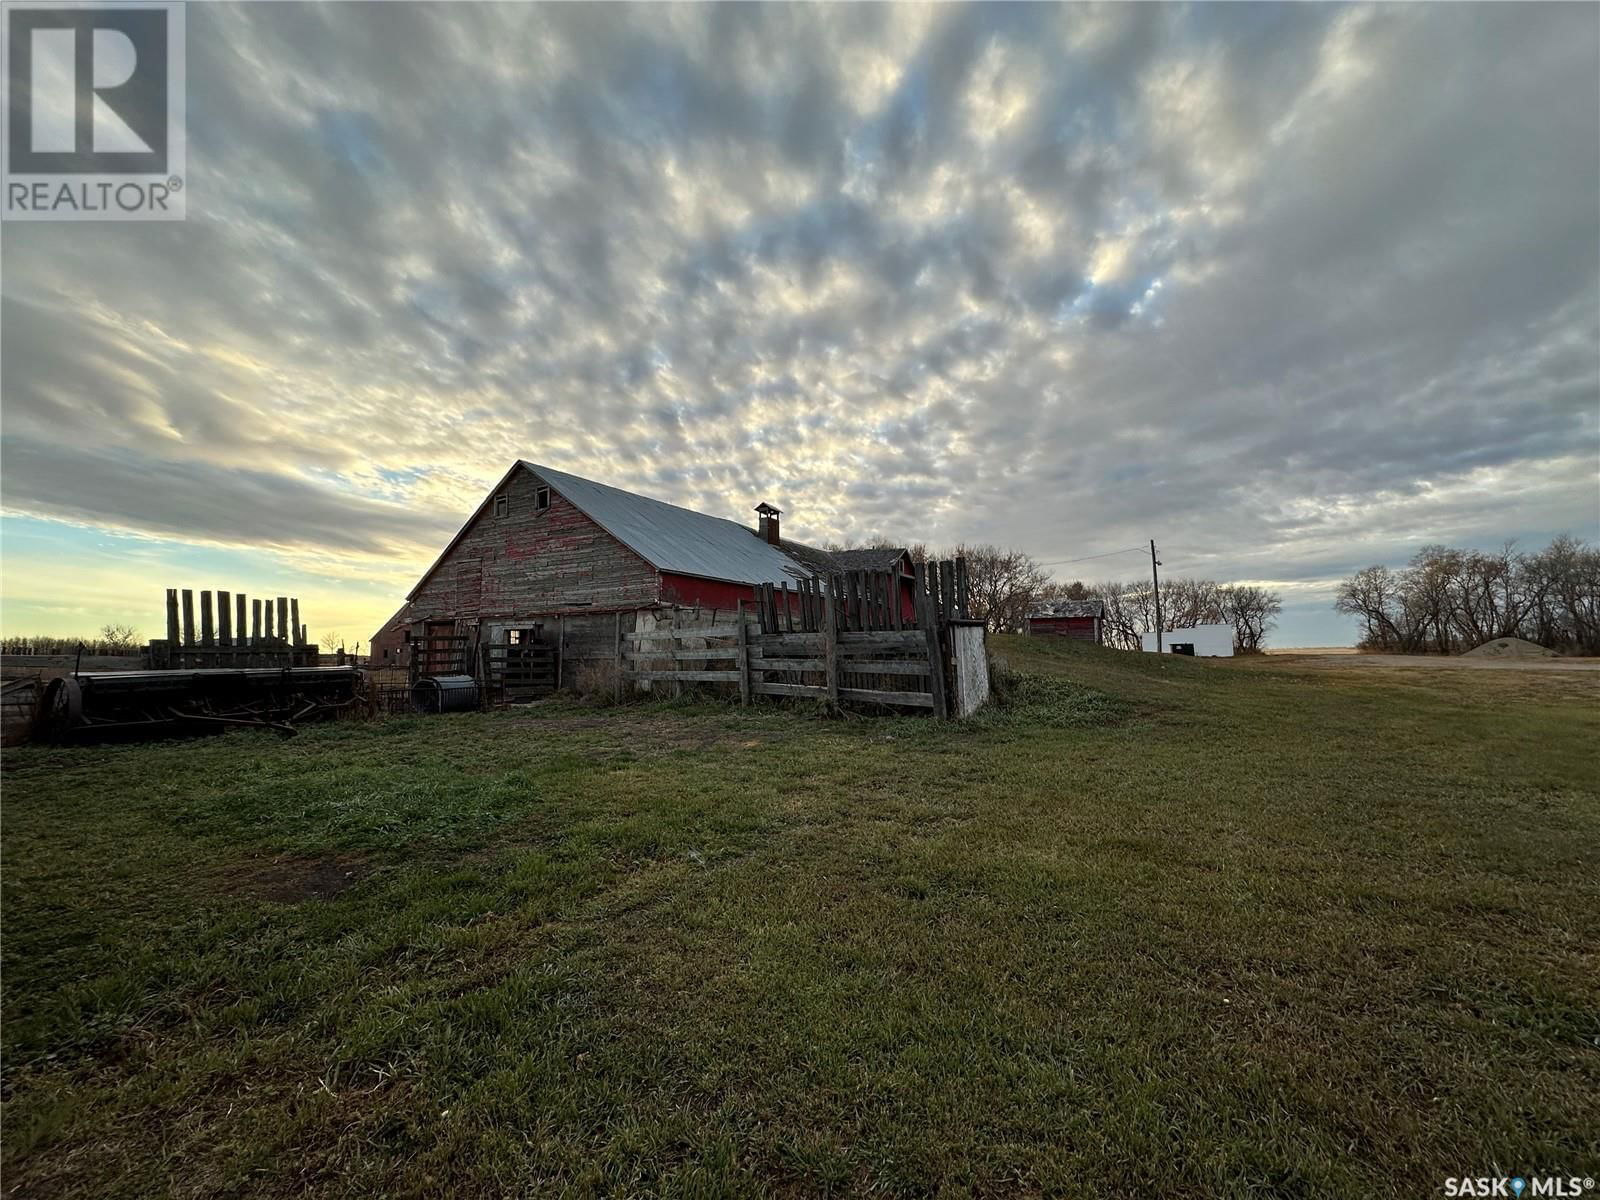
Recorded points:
290,879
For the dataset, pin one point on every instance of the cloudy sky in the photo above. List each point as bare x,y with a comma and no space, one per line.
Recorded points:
1289,289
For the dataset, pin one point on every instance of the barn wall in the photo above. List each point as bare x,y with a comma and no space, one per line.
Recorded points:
388,647
688,591
528,563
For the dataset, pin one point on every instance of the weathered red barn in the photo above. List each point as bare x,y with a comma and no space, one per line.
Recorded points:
1080,619
554,558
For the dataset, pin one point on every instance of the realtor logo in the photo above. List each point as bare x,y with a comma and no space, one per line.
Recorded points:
94,125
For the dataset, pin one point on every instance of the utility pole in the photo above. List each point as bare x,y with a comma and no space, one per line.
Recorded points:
1155,583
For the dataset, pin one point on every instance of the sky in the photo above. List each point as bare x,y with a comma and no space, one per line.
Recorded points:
1290,289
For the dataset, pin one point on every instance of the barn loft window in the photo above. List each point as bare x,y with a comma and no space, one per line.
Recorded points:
502,505
541,499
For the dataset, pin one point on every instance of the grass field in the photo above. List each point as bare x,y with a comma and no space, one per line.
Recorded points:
1158,927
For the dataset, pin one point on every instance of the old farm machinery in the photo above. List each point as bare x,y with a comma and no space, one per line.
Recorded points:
131,704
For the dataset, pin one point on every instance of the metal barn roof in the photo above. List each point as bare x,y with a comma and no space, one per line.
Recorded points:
675,539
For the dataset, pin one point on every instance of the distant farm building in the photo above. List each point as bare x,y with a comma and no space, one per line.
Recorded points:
1201,641
1083,620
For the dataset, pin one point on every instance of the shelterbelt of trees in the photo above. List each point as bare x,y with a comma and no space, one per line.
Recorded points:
1447,601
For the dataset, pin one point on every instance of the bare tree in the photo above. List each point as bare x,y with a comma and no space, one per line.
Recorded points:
119,639
1130,609
1252,611
1447,601
1004,586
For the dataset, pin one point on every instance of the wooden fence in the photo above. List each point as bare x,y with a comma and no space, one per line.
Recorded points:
274,636
867,637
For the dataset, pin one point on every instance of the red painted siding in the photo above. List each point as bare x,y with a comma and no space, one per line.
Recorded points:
1082,628
708,593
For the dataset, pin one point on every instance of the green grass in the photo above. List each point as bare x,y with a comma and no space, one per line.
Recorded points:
1158,926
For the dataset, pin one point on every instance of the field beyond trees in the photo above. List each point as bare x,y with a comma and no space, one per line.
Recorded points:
1159,926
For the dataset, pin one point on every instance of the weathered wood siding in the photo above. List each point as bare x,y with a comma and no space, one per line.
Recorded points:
528,563
971,657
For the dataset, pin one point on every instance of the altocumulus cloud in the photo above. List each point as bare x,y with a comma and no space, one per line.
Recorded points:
1289,288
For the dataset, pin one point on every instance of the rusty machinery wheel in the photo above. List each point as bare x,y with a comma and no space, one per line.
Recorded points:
60,710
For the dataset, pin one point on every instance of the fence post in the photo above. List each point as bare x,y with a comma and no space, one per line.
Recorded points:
830,642
172,618
744,658
619,656
188,617
928,619
672,654
239,627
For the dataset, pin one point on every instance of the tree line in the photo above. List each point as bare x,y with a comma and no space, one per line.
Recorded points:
112,639
1006,585
1446,601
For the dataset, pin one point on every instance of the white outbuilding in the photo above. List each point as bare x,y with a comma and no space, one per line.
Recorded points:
1202,641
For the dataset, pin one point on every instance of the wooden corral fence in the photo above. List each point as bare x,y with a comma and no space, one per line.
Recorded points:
866,637
274,637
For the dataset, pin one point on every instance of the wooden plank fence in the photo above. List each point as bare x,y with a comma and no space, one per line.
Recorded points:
868,637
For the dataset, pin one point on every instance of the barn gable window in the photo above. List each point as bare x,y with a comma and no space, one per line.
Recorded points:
502,505
541,499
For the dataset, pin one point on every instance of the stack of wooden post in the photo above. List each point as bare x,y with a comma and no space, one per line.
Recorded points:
274,636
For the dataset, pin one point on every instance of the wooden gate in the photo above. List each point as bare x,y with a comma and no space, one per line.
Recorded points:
521,667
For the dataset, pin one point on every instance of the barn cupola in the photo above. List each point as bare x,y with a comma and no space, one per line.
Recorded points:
767,523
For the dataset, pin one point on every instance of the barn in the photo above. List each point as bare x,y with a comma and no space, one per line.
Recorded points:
553,559
1083,620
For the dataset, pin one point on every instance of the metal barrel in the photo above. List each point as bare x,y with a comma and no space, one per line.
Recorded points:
444,693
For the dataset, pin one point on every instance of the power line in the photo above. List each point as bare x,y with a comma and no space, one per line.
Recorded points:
1061,562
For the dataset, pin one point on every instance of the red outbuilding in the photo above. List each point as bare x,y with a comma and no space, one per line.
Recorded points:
1080,619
